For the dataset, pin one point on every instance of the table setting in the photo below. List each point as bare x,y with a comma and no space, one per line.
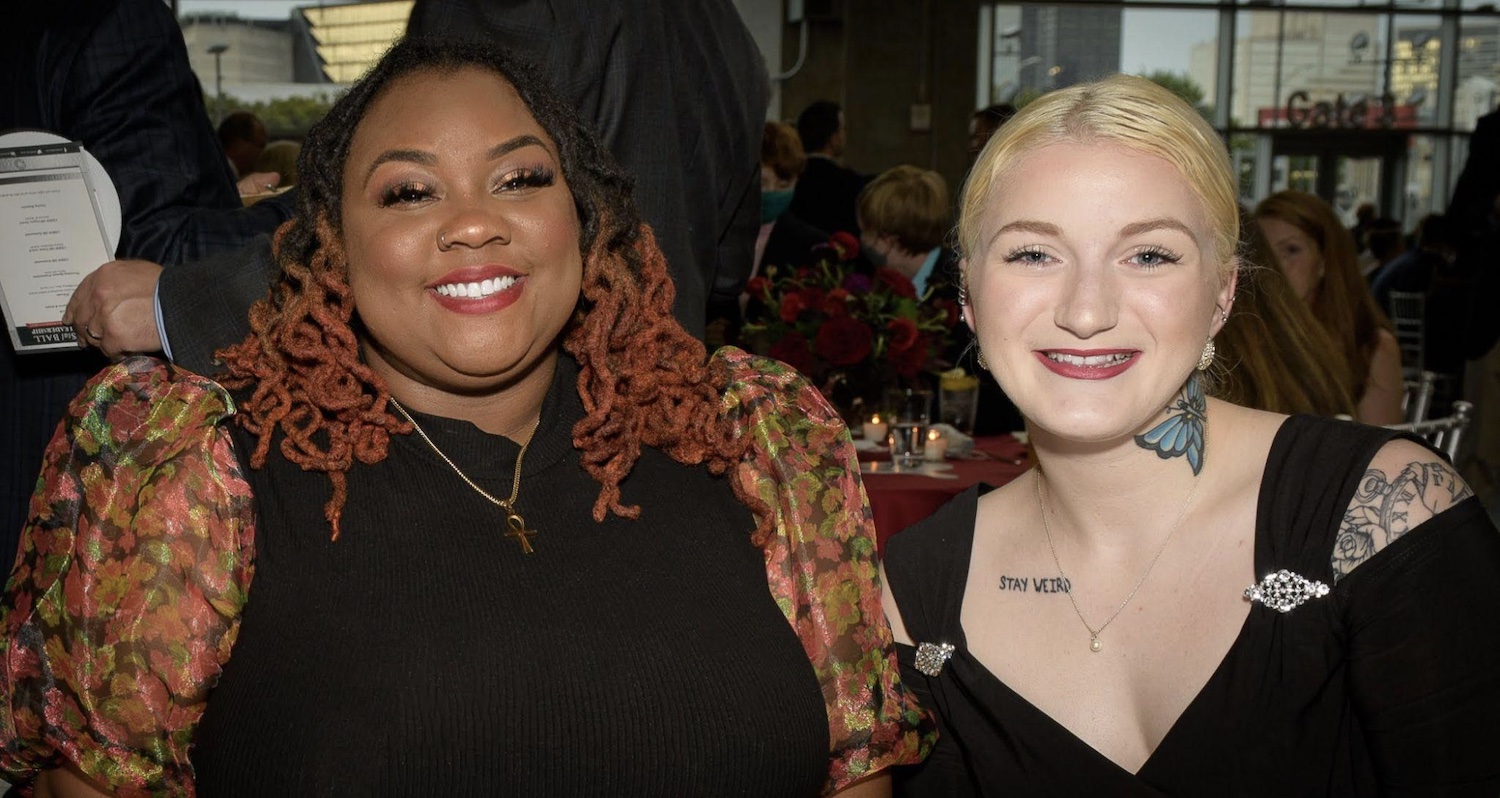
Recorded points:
911,466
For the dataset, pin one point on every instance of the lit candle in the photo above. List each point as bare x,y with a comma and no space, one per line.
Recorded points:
936,448
874,430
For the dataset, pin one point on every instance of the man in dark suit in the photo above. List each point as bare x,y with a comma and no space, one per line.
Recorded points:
827,192
677,92
1479,183
114,75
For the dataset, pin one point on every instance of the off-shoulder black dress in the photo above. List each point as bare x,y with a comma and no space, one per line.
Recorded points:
1388,685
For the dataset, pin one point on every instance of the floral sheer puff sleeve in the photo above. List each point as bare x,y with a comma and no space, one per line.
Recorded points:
126,594
821,565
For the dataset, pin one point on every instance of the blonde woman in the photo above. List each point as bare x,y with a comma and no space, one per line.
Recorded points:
1184,596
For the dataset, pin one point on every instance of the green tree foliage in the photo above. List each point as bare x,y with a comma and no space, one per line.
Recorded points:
1183,86
284,117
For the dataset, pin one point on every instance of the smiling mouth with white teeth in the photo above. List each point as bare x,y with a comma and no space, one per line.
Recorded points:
1091,361
479,290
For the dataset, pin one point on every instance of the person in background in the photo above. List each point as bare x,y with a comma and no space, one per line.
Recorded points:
243,137
903,218
827,191
1384,242
785,239
1475,193
1316,253
1272,353
1364,219
1183,596
114,75
319,585
280,157
1437,248
986,121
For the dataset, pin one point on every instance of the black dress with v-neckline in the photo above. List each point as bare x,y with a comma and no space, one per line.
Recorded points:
1388,685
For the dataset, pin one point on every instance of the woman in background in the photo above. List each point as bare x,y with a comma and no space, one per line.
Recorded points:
1272,354
1316,253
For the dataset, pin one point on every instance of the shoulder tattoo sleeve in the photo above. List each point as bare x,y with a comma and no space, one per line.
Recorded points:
1385,508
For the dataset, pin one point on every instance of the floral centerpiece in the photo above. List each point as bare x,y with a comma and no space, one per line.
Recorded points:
852,334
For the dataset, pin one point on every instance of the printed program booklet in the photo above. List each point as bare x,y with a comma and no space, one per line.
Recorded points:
52,235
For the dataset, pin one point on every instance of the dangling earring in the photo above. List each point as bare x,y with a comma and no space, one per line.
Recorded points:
979,356
963,293
1207,358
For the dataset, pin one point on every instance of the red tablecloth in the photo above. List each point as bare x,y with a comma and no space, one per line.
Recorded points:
900,500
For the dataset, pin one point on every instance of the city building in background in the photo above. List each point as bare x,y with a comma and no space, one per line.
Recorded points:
1355,101
312,55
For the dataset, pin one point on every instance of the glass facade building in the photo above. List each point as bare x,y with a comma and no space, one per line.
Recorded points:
1357,102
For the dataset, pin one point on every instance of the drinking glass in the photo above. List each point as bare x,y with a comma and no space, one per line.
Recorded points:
911,413
958,401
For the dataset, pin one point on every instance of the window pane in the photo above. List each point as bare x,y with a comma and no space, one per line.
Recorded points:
1414,69
1039,47
1478,70
1311,69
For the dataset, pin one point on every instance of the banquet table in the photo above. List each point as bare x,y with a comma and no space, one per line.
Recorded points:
902,498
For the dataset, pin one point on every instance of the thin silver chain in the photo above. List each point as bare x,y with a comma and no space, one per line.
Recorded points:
1094,643
508,505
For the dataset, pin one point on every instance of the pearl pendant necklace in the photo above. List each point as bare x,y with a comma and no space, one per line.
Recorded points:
1095,644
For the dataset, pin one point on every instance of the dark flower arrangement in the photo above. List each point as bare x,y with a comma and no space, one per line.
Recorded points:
843,328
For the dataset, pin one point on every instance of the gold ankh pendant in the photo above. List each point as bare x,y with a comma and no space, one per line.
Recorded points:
519,531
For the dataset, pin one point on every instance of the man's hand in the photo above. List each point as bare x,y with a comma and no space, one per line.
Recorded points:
258,183
114,308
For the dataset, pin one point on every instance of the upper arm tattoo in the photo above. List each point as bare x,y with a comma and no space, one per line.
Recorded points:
1383,509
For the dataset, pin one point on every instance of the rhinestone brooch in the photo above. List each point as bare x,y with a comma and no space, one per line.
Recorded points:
1285,591
931,656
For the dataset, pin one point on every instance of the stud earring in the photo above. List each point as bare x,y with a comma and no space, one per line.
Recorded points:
1207,358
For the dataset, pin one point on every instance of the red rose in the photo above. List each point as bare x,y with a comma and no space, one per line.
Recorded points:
904,334
843,341
792,306
908,362
792,350
836,303
757,287
812,298
845,244
898,283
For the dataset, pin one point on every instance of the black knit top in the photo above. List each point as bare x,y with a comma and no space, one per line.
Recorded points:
424,654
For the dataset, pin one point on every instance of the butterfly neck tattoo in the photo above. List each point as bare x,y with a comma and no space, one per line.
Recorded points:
1181,435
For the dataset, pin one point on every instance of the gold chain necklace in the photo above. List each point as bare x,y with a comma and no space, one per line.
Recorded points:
516,525
1094,644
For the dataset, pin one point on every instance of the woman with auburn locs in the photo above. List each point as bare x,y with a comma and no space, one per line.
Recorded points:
475,516
1183,596
1316,253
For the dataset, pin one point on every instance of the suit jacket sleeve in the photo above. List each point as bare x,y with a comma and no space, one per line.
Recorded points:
206,306
132,99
